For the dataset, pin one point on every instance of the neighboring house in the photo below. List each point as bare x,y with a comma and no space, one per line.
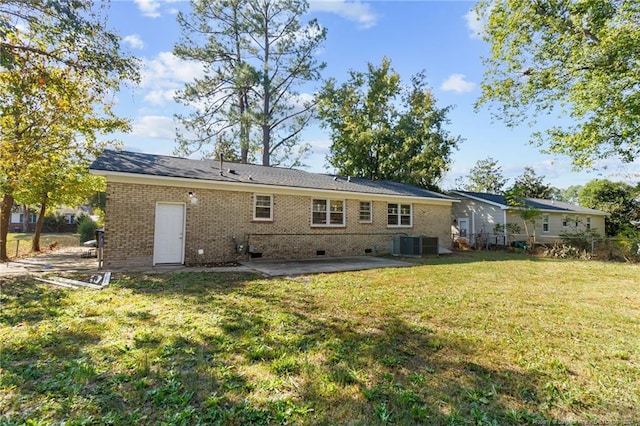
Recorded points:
16,223
476,216
164,210
68,220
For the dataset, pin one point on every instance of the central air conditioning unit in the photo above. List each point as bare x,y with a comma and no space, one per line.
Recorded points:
414,246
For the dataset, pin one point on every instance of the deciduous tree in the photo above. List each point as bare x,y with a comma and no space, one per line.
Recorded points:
619,199
383,130
57,181
59,66
576,58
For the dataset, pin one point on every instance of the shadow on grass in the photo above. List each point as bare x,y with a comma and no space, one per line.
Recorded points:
271,355
473,256
22,303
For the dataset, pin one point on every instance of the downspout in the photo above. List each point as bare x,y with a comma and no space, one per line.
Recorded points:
506,243
473,225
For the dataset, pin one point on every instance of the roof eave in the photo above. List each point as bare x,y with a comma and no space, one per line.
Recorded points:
124,177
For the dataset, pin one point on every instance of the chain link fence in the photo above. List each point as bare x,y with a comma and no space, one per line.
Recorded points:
584,246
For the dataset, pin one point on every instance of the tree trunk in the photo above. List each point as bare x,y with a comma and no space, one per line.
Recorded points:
5,217
244,131
35,243
25,218
266,83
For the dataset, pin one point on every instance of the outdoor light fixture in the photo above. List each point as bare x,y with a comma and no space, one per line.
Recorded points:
193,198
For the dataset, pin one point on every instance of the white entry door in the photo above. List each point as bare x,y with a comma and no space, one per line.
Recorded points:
168,241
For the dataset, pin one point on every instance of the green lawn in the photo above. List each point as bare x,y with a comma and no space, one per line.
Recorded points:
480,338
19,243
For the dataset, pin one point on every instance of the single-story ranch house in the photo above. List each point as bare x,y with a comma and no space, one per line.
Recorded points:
169,210
476,215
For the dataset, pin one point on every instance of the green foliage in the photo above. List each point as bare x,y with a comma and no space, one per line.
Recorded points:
617,198
249,90
529,185
580,239
58,64
511,229
86,228
382,130
568,195
486,176
575,58
628,244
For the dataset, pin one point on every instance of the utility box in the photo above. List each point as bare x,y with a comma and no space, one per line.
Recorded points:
414,246
428,245
99,238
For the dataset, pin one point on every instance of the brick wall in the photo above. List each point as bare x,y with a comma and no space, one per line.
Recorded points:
223,219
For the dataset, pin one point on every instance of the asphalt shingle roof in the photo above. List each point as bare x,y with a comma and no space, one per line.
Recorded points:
161,165
541,204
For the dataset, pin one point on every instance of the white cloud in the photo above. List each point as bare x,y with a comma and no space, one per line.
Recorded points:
160,97
167,70
148,8
457,83
301,99
474,24
356,11
166,73
134,41
320,146
155,126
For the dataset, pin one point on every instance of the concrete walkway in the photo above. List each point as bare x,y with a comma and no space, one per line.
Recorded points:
69,259
275,268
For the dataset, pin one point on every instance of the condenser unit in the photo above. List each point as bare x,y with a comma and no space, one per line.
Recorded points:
414,246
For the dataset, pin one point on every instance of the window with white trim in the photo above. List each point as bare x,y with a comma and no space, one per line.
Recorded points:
365,211
69,219
262,207
327,212
33,218
565,222
399,214
588,223
545,223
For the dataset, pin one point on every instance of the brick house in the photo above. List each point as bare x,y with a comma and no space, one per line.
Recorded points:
164,210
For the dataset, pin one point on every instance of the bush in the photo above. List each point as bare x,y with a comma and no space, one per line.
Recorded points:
628,243
581,240
86,228
53,223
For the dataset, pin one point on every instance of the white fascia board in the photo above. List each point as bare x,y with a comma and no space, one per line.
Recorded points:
134,178
482,200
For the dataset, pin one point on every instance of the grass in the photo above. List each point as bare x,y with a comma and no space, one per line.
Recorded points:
479,338
19,243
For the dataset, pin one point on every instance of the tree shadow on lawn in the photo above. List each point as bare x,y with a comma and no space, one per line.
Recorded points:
393,371
472,256
24,303
270,357
404,374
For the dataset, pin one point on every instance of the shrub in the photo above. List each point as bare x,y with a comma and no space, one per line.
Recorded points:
53,223
628,243
579,239
86,228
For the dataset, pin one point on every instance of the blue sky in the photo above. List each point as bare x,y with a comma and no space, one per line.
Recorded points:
439,37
